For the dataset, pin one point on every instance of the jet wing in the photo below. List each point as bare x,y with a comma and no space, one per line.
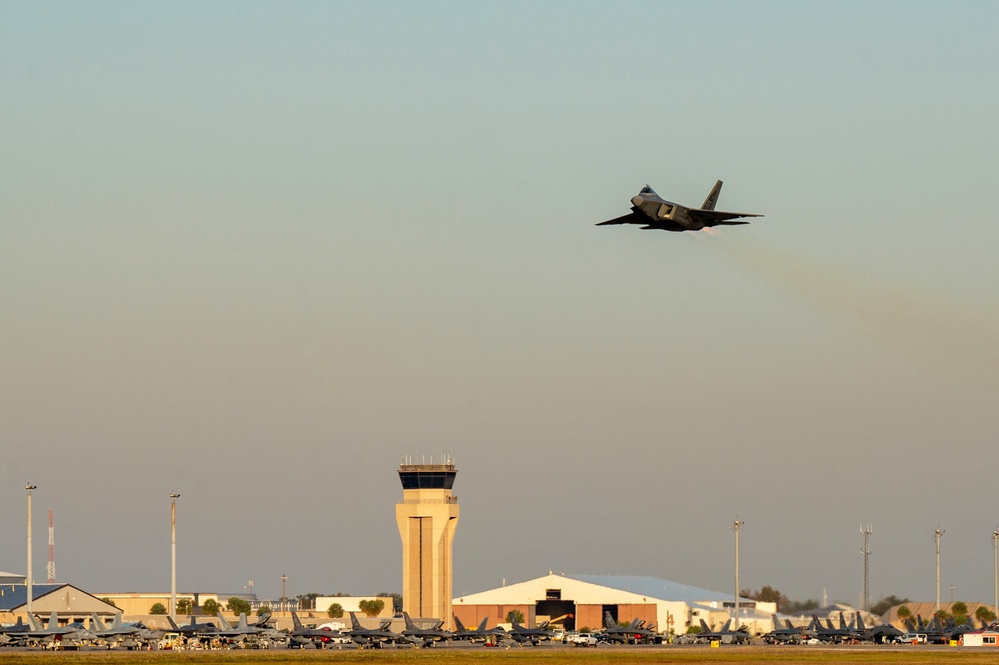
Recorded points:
713,217
630,218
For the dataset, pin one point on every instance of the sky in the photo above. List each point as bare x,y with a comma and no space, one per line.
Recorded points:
257,253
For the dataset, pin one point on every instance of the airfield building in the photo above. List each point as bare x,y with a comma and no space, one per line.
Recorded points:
427,519
580,601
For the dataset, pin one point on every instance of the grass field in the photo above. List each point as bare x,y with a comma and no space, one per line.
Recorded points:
725,656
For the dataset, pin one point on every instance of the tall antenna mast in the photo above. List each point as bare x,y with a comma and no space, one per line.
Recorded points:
866,533
51,566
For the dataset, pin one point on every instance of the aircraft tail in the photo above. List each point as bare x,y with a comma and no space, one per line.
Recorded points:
776,622
296,621
704,627
242,623
409,622
33,622
860,623
96,623
173,624
53,620
709,203
354,623
609,620
223,624
117,622
459,626
482,625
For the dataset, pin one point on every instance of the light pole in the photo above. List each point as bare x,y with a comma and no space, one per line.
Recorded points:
284,580
939,532
866,533
735,527
173,555
995,569
29,582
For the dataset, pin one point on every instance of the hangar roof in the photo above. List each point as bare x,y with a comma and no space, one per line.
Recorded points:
655,588
587,588
15,595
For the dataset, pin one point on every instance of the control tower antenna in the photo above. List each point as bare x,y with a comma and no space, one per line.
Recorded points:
51,566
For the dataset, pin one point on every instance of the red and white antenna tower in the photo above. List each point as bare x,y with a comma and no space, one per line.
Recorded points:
51,566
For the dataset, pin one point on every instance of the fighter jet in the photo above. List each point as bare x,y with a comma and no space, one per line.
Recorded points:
128,635
73,634
375,637
243,631
426,637
523,635
785,634
193,629
302,636
480,633
653,212
615,632
708,635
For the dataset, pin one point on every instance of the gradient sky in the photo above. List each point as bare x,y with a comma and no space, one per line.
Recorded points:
258,252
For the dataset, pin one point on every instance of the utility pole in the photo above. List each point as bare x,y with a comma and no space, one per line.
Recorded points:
29,582
866,533
173,555
284,595
995,569
735,527
939,532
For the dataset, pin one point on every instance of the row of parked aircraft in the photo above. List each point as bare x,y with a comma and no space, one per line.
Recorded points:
136,635
934,632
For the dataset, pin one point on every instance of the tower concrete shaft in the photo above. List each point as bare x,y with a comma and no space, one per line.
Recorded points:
427,519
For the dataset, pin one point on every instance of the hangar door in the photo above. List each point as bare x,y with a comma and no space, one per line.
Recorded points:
560,612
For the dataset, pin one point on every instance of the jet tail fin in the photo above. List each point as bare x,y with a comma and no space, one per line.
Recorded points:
225,625
354,623
409,622
709,203
173,624
458,625
482,624
96,623
296,620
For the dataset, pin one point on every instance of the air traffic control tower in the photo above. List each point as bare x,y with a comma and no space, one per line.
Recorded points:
427,518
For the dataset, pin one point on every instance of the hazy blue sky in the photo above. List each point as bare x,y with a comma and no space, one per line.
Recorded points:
258,252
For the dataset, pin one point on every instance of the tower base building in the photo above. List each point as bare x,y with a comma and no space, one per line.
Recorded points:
427,518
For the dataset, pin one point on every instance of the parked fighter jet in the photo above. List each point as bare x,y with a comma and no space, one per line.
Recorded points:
787,634
74,634
128,635
653,212
301,636
243,631
12,634
426,637
709,635
376,637
615,632
193,629
524,635
880,634
480,633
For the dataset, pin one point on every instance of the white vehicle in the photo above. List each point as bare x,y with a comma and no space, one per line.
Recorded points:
585,640
913,638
